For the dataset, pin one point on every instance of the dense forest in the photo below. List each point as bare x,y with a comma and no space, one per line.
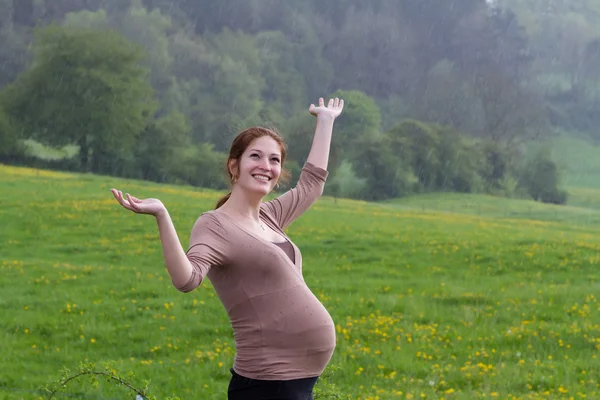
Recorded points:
440,94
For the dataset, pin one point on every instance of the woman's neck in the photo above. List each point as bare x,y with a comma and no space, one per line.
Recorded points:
239,203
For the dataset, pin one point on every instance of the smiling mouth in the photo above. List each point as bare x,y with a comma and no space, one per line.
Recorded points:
261,178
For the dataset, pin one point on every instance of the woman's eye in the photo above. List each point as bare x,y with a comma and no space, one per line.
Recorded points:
275,159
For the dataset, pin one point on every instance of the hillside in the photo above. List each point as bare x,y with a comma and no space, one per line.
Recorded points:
579,158
448,297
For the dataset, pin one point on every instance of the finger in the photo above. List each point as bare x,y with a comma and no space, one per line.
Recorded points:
341,104
336,102
135,202
321,102
134,199
118,196
131,202
124,202
330,104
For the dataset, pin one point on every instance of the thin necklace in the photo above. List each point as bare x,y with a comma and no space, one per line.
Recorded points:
250,218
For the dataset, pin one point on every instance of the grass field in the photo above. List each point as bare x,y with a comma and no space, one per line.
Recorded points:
455,297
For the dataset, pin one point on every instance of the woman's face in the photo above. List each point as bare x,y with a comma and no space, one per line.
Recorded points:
259,167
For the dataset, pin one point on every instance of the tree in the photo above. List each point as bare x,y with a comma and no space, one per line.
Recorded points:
148,30
200,165
438,156
230,97
284,91
495,59
493,41
385,175
85,87
511,113
298,133
361,118
32,12
416,144
12,45
435,24
541,178
10,145
447,100
345,182
371,52
159,145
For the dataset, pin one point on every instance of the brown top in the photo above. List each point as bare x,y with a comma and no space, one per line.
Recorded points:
287,248
281,330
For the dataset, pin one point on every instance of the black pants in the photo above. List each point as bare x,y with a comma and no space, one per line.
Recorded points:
242,388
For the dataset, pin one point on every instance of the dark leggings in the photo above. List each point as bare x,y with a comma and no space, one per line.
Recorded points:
242,388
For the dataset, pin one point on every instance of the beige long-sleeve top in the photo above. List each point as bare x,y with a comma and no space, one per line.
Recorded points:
281,330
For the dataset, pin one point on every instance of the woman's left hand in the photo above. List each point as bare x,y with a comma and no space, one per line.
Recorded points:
333,110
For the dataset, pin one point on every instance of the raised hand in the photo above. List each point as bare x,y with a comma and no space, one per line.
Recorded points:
144,206
333,110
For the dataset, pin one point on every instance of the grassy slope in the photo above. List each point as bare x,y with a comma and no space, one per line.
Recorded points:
430,304
580,160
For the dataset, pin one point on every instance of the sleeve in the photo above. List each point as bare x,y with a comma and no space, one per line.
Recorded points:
291,204
208,249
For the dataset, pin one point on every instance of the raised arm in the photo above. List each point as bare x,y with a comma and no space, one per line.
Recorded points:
290,205
178,265
319,151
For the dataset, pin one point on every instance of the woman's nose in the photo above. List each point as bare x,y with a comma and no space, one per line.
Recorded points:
264,164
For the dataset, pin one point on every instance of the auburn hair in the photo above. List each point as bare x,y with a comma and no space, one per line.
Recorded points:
241,143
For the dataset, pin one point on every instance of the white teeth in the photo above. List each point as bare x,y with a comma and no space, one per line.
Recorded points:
262,178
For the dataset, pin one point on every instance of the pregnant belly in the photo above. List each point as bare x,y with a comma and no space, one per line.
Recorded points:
298,334
294,314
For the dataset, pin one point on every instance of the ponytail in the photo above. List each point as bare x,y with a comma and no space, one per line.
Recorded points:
223,200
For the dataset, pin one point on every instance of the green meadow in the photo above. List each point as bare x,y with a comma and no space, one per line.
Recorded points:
434,297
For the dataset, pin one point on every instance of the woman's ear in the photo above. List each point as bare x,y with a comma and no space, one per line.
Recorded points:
233,169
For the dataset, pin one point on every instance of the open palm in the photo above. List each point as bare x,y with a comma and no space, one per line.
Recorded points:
334,108
139,206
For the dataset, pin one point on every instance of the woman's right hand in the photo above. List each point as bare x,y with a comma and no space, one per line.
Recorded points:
145,206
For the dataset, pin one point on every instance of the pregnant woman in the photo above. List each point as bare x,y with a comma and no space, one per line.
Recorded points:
284,336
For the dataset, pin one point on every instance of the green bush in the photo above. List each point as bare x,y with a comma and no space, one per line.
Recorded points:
200,166
346,183
416,143
438,157
494,166
386,175
458,163
540,177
